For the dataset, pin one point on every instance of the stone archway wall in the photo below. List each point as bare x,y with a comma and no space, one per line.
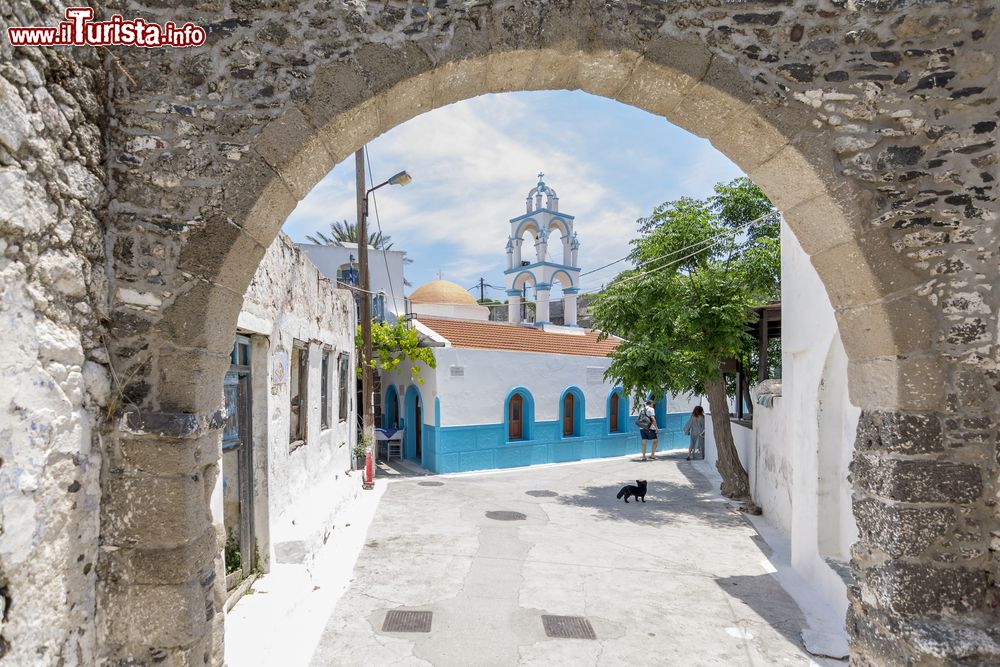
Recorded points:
54,382
871,124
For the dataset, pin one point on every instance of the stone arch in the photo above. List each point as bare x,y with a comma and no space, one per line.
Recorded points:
799,123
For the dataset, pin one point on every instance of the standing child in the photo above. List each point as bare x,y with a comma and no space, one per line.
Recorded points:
695,428
648,428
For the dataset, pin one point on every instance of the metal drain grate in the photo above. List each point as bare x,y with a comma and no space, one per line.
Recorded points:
407,621
568,627
506,516
542,493
430,483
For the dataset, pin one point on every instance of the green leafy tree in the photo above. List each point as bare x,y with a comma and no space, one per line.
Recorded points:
347,232
393,344
684,309
740,201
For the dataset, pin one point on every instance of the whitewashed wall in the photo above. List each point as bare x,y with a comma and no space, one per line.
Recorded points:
298,493
383,278
478,397
797,454
820,425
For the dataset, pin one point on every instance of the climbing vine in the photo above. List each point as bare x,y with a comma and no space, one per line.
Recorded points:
394,343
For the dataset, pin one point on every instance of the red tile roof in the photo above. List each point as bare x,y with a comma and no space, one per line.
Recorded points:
516,338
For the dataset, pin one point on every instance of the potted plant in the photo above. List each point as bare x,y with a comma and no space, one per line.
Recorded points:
360,446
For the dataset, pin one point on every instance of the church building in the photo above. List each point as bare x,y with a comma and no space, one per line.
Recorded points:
507,394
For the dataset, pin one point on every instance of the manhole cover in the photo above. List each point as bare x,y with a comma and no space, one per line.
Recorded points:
568,627
430,483
506,516
542,493
407,621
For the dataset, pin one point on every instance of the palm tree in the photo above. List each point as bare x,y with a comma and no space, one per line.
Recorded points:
344,231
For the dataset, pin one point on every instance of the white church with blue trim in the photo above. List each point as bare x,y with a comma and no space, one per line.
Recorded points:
509,394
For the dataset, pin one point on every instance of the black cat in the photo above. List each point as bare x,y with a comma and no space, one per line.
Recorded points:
639,491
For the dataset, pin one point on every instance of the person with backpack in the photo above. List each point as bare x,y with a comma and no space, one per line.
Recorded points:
648,428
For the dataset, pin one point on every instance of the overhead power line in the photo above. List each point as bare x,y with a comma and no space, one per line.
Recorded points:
697,248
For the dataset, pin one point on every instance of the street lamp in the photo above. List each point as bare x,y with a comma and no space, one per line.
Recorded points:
402,178
367,374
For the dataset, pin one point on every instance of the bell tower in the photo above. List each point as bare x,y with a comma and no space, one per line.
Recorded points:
555,259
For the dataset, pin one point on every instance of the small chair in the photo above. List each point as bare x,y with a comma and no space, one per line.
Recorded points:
394,445
393,439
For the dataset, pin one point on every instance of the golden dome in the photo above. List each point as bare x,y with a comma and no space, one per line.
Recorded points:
442,291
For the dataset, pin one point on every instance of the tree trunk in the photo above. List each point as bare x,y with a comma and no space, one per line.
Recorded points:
735,482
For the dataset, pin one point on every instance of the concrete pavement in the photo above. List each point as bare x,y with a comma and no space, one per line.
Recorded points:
679,580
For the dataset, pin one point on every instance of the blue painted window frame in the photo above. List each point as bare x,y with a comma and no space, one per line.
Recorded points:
623,423
579,411
527,415
386,412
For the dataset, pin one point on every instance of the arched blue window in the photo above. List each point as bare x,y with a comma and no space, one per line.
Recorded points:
519,415
571,413
617,411
390,408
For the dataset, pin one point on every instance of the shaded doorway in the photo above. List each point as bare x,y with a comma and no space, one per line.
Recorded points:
413,425
390,411
237,466
418,434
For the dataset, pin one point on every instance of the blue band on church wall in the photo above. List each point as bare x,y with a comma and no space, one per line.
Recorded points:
485,446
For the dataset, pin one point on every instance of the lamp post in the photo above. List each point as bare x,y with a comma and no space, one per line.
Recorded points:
367,374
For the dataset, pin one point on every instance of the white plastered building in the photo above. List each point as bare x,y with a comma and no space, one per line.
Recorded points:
798,451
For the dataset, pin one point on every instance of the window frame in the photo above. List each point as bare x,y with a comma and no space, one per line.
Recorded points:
343,386
516,404
622,414
569,413
298,381
614,405
527,416
578,416
324,390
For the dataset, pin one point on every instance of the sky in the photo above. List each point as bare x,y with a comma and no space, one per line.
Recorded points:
473,163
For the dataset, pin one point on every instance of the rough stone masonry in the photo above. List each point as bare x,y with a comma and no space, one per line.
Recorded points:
141,188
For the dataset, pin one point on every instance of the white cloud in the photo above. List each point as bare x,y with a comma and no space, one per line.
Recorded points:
472,164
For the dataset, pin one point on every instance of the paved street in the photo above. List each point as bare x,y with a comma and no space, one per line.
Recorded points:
679,580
